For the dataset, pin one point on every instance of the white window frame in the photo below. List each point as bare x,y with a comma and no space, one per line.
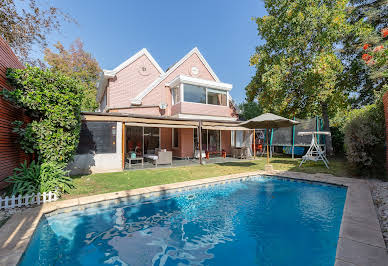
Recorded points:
206,94
216,91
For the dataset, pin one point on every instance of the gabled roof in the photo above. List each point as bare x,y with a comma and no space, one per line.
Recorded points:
136,56
107,74
138,99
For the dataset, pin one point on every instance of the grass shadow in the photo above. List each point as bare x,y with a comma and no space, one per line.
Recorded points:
237,164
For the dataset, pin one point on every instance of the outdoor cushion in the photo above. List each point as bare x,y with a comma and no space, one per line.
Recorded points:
151,156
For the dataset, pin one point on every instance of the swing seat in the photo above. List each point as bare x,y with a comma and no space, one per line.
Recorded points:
310,158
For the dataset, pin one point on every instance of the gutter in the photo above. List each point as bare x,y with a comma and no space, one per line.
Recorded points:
131,107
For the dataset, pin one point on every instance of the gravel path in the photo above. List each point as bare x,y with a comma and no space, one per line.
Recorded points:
5,214
379,190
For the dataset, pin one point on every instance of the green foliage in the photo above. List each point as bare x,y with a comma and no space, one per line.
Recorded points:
53,101
365,138
249,110
45,177
78,64
338,138
298,69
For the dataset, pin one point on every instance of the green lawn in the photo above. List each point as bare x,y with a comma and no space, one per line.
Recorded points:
110,182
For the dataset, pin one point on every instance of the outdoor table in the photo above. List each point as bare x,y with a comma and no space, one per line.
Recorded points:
141,159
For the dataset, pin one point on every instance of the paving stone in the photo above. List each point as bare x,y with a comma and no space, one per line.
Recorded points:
343,263
359,232
361,254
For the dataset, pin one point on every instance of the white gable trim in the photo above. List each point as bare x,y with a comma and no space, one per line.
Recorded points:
138,99
133,58
107,74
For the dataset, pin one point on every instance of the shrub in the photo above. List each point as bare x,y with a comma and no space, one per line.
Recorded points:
364,139
34,178
53,101
337,137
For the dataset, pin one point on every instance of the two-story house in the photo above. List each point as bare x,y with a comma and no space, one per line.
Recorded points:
143,108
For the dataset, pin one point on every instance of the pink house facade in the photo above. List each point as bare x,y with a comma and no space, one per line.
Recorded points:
140,86
185,110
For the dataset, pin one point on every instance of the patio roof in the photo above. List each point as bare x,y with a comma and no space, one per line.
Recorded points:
156,121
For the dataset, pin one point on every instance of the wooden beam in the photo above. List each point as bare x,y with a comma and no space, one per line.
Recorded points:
135,119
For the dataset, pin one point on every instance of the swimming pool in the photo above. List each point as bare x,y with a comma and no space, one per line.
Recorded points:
258,221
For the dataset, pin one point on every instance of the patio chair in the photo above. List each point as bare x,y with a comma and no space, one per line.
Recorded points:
160,157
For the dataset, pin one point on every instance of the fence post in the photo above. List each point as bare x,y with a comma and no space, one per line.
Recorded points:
6,202
38,198
26,200
19,200
13,201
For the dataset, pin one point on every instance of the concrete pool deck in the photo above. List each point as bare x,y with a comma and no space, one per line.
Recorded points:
360,240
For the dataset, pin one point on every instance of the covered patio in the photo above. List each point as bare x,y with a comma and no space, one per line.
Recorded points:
114,141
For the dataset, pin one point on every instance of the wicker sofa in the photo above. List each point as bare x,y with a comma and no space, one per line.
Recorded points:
160,157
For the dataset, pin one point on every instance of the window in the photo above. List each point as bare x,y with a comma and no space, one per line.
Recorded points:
239,138
194,94
175,95
216,97
175,137
197,94
98,137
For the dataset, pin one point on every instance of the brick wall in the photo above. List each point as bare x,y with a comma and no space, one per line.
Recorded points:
10,154
385,100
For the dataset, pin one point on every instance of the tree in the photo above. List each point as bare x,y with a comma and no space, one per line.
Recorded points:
249,110
78,64
53,101
25,23
298,69
358,75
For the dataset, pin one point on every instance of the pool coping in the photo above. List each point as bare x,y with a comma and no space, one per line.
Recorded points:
360,240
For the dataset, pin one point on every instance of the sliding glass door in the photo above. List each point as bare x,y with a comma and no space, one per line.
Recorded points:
151,139
211,140
142,140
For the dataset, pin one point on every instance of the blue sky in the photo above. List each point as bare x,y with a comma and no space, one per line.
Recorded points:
222,30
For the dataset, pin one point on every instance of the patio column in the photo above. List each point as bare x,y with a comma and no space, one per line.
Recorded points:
200,140
254,144
123,146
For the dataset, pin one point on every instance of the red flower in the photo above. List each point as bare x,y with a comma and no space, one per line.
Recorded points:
384,32
366,46
378,48
366,57
370,62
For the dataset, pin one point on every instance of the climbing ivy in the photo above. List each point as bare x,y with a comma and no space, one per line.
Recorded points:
53,100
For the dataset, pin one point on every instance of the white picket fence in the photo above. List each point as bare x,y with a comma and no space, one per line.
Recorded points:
26,200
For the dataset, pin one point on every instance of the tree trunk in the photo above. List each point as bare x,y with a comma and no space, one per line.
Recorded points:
326,127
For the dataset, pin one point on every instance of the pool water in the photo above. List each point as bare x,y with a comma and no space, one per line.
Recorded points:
259,221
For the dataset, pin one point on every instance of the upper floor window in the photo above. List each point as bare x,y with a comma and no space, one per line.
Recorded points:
194,94
175,95
197,94
216,97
